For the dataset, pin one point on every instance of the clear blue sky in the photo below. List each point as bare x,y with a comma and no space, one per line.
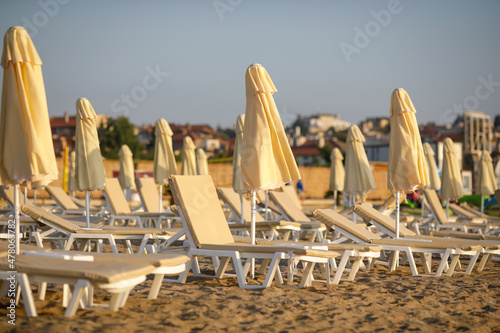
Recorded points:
342,57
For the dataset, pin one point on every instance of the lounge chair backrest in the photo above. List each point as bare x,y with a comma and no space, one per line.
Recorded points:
333,219
149,193
232,199
292,193
116,198
37,214
197,198
369,214
462,211
58,194
435,206
290,209
474,213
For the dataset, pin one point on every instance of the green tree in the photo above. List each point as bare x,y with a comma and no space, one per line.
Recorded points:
117,132
325,152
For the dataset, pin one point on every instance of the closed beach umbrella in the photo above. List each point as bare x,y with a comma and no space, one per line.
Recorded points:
164,160
71,173
267,161
126,177
26,150
201,162
358,174
337,173
434,180
89,171
406,168
487,182
451,178
188,166
238,186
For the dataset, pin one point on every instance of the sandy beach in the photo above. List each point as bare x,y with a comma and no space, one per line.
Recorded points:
377,301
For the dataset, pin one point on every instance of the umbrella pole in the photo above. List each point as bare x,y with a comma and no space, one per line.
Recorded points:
16,218
242,221
448,210
335,199
397,214
87,208
267,196
160,202
353,202
252,231
482,205
423,205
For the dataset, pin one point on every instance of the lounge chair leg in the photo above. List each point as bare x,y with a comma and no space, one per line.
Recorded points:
393,260
42,288
263,266
340,268
273,267
307,276
155,287
443,263
76,297
219,273
483,262
29,302
355,268
453,264
411,262
472,262
425,263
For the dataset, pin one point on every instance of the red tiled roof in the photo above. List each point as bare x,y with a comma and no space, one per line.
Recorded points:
56,122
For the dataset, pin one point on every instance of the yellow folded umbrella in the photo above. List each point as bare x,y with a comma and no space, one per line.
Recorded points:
337,173
201,162
238,186
126,177
406,167
451,178
358,174
434,180
89,170
71,173
487,181
188,166
26,150
164,160
267,161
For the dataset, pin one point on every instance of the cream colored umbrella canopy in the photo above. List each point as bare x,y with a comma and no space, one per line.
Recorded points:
201,162
451,182
126,177
406,167
89,171
337,173
71,173
164,160
188,166
434,180
358,174
267,161
238,186
487,181
26,149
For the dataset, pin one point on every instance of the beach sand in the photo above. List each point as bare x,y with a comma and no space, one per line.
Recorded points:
376,301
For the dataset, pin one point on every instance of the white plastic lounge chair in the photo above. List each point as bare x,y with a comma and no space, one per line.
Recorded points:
292,212
150,198
441,222
388,226
232,201
209,235
64,203
65,231
83,273
360,235
120,209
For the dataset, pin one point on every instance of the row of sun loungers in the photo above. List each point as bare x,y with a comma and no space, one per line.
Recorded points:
328,240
